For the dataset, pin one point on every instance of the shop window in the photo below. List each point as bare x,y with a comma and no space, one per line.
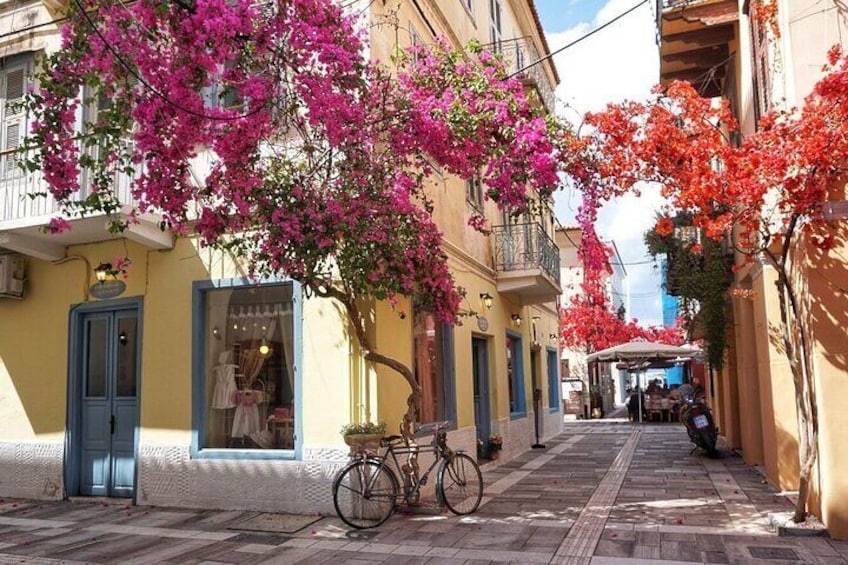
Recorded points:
553,381
433,366
515,375
246,398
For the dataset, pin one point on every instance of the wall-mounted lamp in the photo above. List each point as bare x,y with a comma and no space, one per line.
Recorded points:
516,319
102,271
487,300
554,337
107,286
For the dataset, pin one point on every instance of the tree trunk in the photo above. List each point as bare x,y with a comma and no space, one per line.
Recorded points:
797,351
413,401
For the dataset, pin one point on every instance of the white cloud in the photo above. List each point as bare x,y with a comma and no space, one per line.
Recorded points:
619,62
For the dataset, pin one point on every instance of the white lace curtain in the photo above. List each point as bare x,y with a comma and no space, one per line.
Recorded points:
260,324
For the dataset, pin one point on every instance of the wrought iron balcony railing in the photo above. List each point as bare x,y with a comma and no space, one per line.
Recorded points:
517,54
525,247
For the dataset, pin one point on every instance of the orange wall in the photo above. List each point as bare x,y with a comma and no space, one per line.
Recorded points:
823,275
777,391
748,383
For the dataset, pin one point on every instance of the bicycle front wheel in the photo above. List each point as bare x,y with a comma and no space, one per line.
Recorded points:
364,494
460,484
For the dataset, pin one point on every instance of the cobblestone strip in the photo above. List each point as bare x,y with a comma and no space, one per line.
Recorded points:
13,559
579,545
160,532
538,461
500,486
744,515
566,445
551,454
34,523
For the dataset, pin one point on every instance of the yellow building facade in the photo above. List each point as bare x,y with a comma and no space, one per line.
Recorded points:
724,52
197,387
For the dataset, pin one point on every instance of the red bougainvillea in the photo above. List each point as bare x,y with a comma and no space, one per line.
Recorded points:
772,187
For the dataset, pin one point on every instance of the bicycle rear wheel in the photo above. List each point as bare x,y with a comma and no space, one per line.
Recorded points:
460,484
364,494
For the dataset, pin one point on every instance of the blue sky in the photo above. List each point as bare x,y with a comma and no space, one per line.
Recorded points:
616,64
560,15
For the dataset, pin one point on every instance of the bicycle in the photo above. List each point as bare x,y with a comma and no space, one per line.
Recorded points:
366,490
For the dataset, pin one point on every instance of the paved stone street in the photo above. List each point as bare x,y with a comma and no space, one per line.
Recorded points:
604,493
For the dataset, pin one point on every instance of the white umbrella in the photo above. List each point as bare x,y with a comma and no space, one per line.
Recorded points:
641,350
644,353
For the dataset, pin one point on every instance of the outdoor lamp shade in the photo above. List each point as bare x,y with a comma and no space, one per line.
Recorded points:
487,300
101,271
516,319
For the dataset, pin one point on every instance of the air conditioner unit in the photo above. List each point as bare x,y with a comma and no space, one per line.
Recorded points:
11,276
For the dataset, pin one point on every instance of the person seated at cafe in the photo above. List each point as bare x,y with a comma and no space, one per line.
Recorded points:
633,404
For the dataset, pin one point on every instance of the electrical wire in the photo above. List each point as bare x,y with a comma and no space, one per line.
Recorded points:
33,27
578,40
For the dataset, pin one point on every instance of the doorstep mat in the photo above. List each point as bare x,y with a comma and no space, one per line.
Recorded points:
269,522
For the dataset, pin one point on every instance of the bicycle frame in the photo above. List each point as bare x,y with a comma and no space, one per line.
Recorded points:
373,476
412,480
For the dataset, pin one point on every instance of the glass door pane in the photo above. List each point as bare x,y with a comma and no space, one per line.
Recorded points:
126,357
97,350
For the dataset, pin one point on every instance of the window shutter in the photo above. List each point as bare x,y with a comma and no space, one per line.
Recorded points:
14,88
14,125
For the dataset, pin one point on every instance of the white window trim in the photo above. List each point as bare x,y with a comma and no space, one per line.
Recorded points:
496,25
469,7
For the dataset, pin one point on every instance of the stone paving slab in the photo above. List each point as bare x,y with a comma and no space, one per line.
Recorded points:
602,493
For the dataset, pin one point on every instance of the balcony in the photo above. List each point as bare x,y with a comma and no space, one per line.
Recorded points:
518,53
695,42
25,210
527,263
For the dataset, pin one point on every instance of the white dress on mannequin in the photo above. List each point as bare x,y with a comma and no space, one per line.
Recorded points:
225,383
246,420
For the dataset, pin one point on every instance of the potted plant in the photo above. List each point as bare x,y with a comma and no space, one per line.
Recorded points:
495,446
363,435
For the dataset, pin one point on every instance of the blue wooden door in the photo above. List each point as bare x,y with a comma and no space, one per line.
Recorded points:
480,370
109,413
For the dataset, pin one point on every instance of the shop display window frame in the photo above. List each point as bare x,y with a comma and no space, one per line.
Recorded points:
517,377
447,346
200,290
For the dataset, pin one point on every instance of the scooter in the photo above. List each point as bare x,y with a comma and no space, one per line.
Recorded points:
698,419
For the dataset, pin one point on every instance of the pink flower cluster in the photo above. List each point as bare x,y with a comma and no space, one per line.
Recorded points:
319,157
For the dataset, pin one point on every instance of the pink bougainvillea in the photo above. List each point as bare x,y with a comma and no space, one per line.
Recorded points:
319,157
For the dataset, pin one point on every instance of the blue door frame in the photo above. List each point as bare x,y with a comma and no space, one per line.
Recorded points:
101,443
482,405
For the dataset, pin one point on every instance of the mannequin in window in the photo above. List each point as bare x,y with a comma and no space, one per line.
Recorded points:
225,382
